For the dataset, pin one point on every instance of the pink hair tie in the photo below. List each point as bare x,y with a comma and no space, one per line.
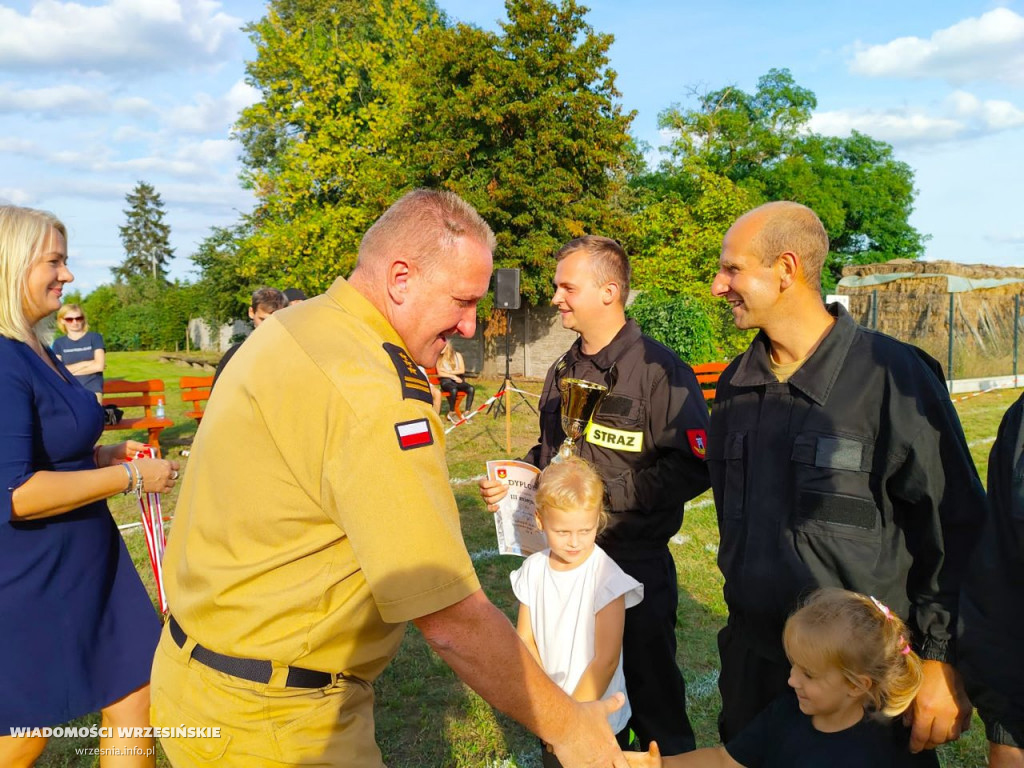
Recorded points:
882,607
905,649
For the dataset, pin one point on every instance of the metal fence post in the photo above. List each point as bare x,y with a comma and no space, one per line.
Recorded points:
949,358
1016,333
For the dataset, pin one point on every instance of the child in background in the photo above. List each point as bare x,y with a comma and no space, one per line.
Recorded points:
852,671
572,596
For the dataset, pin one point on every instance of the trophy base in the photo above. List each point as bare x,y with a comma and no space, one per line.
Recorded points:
563,453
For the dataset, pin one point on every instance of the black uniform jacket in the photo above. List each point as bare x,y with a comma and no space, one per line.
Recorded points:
992,604
855,473
651,458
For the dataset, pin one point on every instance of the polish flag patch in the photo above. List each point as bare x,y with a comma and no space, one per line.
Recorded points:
414,434
698,442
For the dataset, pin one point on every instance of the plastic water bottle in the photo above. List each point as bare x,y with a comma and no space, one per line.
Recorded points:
159,407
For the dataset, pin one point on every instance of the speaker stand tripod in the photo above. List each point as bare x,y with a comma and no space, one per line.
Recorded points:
500,406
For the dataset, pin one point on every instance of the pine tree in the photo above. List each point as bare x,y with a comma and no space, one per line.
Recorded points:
145,236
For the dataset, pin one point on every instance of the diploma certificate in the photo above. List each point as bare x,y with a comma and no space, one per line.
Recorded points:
514,521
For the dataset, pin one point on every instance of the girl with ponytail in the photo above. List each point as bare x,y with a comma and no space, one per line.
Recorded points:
853,671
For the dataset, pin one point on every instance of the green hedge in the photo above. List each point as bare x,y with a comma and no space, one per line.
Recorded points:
678,321
141,314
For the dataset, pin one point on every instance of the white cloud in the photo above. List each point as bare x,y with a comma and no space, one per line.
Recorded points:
962,116
199,160
64,99
135,106
990,47
23,147
894,126
213,115
1014,238
15,196
992,115
127,133
210,152
119,35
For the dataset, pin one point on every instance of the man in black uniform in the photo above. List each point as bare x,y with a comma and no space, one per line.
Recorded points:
648,441
991,638
837,459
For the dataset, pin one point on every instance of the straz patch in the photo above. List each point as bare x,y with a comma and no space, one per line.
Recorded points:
414,384
616,439
698,442
414,434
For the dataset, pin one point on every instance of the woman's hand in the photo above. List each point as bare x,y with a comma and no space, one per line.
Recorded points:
158,475
111,454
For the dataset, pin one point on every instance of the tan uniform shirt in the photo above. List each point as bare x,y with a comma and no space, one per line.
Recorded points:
316,517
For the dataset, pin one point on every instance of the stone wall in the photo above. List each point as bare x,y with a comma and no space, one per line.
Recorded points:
536,340
202,336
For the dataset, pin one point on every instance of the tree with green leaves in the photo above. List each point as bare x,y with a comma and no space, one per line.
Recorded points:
678,321
525,126
321,146
145,236
761,143
224,293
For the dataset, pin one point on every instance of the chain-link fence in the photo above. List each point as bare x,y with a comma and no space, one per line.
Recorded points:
974,334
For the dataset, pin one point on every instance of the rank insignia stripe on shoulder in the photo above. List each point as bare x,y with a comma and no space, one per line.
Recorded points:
698,439
414,434
414,384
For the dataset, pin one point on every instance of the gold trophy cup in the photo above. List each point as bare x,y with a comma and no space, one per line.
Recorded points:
580,400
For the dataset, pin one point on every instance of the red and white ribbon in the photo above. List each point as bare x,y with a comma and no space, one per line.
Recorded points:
153,525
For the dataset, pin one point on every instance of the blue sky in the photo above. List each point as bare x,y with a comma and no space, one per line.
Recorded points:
95,96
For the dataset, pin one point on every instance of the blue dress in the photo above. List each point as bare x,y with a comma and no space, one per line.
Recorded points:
77,627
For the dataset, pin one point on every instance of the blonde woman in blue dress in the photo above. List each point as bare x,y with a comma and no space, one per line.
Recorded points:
77,628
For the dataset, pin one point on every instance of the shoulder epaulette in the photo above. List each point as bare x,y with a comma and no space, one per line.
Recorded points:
414,384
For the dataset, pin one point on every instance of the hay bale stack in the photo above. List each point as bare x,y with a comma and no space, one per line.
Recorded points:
916,309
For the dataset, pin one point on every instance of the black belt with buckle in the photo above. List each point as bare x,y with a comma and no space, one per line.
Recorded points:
256,670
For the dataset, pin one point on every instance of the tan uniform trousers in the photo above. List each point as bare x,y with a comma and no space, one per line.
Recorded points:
260,725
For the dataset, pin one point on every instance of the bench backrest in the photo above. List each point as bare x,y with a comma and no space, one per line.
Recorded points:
707,376
134,394
195,390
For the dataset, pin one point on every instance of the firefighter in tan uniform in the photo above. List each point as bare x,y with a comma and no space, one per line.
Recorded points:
316,519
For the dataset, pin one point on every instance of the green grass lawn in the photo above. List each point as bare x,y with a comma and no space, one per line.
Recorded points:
426,718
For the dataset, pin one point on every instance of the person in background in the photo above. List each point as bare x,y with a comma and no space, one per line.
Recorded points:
294,295
265,302
80,349
451,373
836,459
78,628
852,671
991,632
435,392
573,597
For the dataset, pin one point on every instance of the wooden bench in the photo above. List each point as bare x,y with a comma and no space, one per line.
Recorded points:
435,380
138,394
707,377
206,364
195,390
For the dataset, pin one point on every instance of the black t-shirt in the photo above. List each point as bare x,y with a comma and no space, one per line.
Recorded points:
783,737
80,351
